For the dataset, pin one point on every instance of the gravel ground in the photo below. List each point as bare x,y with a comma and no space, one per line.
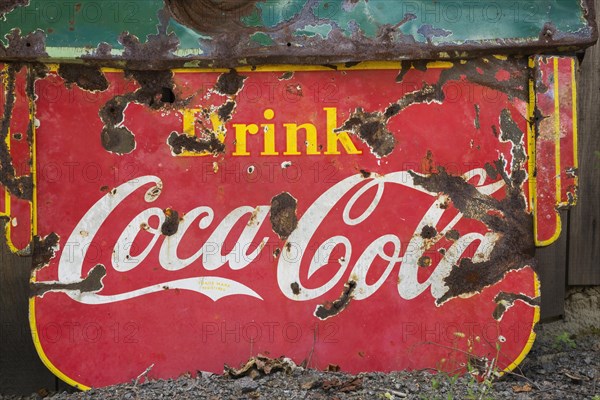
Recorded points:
560,366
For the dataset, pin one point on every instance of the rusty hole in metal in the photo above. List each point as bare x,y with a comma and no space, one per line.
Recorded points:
428,232
295,288
167,95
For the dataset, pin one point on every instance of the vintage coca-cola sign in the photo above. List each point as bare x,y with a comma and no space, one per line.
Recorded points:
370,216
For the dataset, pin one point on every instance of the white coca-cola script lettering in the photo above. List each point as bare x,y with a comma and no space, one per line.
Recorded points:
71,263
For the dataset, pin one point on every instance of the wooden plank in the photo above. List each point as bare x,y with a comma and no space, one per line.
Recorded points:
552,271
21,371
584,234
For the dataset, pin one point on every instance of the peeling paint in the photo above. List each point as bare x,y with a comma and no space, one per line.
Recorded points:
331,309
506,300
44,250
283,215
181,142
86,77
117,138
230,83
92,283
18,186
371,127
507,218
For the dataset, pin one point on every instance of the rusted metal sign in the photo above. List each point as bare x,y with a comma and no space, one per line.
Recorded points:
367,217
152,34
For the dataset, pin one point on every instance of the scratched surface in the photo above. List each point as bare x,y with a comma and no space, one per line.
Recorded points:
190,219
155,34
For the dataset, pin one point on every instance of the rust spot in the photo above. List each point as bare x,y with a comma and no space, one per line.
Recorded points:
428,232
116,137
288,246
44,250
180,142
277,252
453,235
510,131
283,215
505,300
427,163
429,32
30,46
253,216
365,174
294,90
484,71
92,283
18,186
445,203
152,86
6,6
424,261
230,83
101,51
514,247
406,65
226,110
171,223
331,309
86,77
371,127
491,170
295,288
286,76
153,53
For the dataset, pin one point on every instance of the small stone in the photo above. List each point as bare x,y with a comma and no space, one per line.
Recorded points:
246,384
